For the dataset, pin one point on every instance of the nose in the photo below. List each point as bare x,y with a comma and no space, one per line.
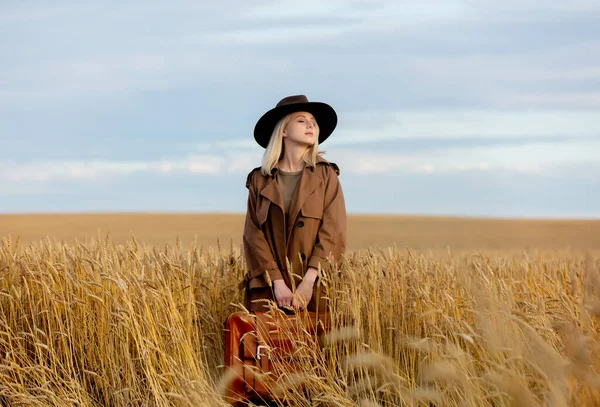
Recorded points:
309,124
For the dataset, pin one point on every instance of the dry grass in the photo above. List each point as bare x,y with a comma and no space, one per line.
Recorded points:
416,232
101,324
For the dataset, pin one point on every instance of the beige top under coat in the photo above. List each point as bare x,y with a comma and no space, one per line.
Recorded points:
288,182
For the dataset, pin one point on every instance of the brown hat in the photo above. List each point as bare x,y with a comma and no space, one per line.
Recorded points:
324,114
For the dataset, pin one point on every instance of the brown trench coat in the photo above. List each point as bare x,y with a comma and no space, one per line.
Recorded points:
316,230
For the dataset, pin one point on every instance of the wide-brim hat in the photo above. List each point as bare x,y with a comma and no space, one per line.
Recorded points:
324,115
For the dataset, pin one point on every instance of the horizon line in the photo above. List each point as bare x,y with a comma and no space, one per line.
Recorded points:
349,214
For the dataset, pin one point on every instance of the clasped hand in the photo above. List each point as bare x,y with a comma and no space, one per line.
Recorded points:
297,300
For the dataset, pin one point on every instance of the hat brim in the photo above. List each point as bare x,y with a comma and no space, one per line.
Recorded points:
324,115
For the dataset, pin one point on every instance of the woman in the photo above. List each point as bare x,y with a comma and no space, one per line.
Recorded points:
296,217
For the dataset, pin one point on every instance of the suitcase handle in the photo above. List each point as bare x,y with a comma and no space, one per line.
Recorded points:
267,348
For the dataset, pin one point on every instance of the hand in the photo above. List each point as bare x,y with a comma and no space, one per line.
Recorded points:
304,291
283,295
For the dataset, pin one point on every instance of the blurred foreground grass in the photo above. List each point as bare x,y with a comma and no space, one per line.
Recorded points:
101,324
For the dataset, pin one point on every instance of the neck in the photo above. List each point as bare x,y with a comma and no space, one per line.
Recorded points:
292,158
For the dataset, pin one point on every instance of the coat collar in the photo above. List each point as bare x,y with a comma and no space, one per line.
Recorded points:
307,184
320,159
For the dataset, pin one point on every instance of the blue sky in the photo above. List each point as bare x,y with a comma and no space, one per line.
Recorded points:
479,108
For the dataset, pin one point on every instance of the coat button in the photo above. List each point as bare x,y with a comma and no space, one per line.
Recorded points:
301,224
303,256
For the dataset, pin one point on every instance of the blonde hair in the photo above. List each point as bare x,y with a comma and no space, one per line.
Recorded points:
275,148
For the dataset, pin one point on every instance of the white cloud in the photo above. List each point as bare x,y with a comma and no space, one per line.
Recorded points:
166,167
19,13
352,147
207,164
365,16
361,129
242,163
230,144
571,74
317,9
368,127
417,13
196,45
105,76
277,35
43,171
237,163
582,100
531,10
202,165
528,158
426,168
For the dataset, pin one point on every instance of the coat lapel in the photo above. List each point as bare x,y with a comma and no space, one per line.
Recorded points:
273,193
307,185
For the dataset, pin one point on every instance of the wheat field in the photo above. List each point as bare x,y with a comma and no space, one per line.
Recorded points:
364,231
115,316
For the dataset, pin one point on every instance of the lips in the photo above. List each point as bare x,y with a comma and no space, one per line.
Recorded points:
309,133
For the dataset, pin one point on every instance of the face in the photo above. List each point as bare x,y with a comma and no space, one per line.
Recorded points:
302,129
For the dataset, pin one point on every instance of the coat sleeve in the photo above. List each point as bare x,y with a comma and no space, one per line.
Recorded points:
331,237
257,252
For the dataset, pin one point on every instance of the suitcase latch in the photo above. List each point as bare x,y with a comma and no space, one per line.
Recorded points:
267,351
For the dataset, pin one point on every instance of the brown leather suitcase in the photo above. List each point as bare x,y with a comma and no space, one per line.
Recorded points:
262,347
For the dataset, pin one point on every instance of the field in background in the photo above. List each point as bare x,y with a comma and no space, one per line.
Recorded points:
507,317
416,232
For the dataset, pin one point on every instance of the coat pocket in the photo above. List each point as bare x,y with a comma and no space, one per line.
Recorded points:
312,208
